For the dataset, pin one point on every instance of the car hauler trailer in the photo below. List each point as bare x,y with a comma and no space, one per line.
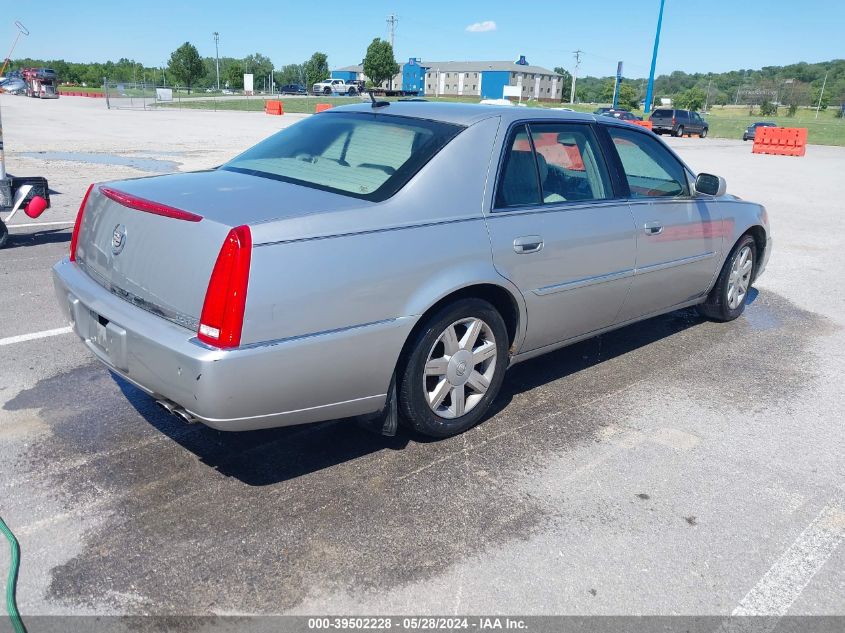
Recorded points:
41,83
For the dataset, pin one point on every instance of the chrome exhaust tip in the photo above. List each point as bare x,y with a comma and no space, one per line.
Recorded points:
166,405
185,416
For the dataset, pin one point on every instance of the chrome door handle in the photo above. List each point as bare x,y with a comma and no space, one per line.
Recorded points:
528,244
653,228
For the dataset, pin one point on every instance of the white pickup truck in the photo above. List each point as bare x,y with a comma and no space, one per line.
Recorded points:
339,86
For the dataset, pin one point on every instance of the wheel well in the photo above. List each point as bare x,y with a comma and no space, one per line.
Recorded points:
497,296
759,235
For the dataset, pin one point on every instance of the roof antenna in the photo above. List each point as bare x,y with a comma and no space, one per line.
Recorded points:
377,104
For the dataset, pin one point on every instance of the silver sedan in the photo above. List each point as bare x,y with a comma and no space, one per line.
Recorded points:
391,261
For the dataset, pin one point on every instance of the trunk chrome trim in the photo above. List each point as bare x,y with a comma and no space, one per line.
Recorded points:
169,314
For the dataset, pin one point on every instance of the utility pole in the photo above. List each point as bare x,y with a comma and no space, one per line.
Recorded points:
707,98
217,56
392,19
649,94
391,34
821,94
575,74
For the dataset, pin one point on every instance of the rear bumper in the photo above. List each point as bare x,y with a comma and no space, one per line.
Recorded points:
310,378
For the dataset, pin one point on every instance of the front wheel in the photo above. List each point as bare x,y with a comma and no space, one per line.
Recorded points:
726,300
327,90
454,368
703,133
4,234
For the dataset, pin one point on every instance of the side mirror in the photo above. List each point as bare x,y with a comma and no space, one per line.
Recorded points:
710,185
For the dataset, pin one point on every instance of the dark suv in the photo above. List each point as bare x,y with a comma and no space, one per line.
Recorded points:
678,122
293,89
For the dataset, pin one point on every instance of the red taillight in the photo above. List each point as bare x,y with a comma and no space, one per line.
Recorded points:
674,120
225,300
148,206
74,237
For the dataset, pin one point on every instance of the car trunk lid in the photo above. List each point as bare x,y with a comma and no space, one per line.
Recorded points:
154,241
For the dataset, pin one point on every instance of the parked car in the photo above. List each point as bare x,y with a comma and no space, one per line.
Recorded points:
751,130
601,111
368,260
678,122
622,115
293,89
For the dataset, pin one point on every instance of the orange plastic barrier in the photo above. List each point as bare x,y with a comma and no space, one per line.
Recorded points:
321,107
645,124
781,141
273,107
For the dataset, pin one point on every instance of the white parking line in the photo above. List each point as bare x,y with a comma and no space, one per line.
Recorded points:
25,224
792,572
35,335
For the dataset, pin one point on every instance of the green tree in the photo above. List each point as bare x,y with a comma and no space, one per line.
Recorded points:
232,75
379,63
566,82
767,108
316,69
291,74
825,98
691,99
186,65
627,99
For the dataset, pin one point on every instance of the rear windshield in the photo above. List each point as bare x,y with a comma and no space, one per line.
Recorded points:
666,113
369,156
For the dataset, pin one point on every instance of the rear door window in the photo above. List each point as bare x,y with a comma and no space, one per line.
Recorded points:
650,169
571,168
369,156
519,183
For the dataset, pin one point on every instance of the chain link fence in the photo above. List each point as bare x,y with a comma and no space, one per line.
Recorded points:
148,96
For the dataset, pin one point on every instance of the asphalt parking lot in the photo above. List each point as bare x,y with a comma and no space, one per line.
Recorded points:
676,466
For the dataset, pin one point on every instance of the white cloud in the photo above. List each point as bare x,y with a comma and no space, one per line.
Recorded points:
482,27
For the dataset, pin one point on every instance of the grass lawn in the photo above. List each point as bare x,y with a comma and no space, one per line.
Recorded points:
725,122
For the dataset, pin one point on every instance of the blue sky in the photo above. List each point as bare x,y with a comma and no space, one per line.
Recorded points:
697,35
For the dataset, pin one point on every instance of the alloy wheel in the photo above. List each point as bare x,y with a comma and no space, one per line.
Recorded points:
740,277
459,367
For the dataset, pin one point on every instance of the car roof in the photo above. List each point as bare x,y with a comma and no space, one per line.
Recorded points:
464,113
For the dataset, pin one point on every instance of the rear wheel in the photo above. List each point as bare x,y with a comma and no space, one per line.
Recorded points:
454,368
679,131
726,300
352,92
4,234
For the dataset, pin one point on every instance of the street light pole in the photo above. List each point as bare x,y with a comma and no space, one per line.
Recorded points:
650,90
217,56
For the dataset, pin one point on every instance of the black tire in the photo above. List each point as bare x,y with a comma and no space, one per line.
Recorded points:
703,133
716,307
413,398
327,90
679,131
352,92
4,234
